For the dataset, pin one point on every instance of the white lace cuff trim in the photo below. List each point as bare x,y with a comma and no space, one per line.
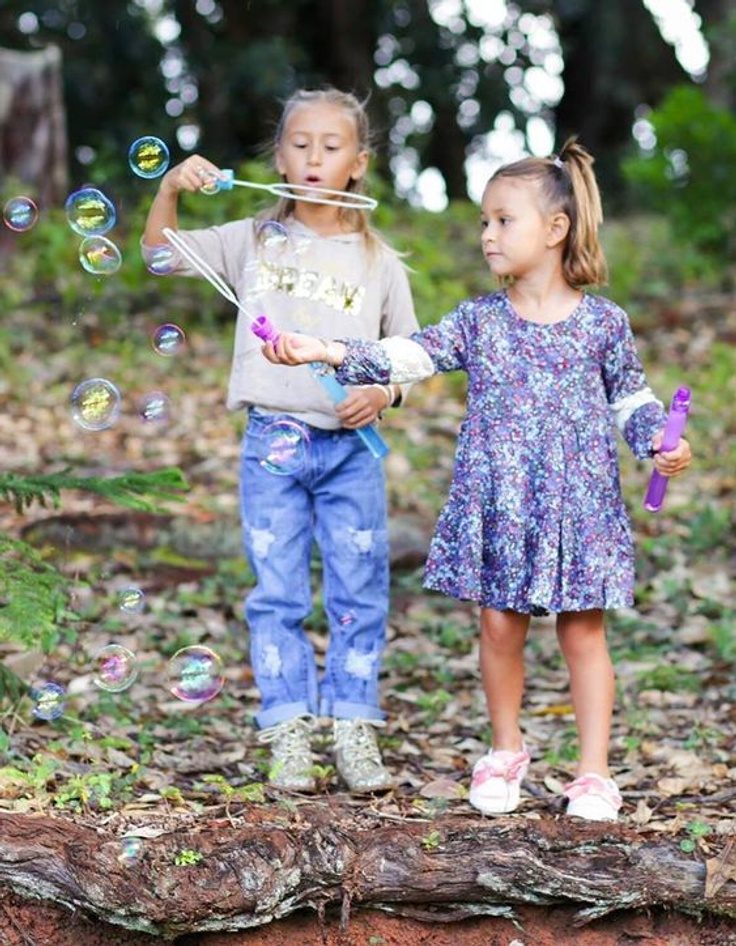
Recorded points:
625,407
409,361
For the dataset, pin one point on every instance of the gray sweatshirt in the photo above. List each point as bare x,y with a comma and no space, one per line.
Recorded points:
332,287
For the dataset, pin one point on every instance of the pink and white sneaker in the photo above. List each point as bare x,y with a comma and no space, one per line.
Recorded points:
593,797
496,782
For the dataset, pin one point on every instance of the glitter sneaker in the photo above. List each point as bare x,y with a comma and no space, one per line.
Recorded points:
291,754
358,757
593,797
496,782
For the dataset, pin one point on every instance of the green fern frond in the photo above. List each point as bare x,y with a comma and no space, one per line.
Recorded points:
144,491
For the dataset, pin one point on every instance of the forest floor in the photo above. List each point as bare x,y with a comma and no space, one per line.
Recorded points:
128,757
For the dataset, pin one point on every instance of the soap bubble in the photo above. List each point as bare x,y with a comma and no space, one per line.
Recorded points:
195,674
114,668
95,404
272,238
100,256
168,339
49,701
89,212
283,447
160,260
148,157
131,600
153,408
20,214
130,851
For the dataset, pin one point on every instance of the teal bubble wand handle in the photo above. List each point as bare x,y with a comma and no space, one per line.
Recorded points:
264,329
673,430
303,192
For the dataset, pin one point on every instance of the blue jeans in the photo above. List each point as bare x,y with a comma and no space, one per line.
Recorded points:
337,499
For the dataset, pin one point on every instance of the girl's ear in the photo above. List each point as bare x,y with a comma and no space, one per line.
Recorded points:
558,229
279,162
360,166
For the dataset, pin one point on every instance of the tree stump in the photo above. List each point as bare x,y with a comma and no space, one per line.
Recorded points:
33,143
234,874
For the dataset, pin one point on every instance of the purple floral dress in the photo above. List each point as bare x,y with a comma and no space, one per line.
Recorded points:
535,520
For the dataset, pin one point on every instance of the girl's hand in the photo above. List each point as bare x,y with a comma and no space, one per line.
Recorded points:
362,406
293,348
674,461
190,175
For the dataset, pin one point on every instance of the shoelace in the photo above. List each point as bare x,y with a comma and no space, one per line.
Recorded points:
359,740
291,740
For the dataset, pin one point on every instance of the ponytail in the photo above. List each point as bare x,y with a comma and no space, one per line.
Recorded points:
568,185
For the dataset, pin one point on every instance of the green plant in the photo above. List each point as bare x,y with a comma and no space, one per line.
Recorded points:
697,832
431,841
688,174
34,593
186,857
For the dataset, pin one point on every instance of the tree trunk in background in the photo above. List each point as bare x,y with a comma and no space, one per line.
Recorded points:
33,145
719,23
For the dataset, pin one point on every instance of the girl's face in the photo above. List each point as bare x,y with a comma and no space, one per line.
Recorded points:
516,233
319,147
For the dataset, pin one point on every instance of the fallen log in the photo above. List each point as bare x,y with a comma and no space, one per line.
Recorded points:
226,875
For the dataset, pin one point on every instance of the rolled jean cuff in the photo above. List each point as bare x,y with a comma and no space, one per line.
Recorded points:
342,709
282,712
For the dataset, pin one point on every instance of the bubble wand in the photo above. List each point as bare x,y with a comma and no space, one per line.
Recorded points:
264,329
303,192
676,420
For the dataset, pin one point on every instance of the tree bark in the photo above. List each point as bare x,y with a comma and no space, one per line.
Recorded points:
33,146
232,874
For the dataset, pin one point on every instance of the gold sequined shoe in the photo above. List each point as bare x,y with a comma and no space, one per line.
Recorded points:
358,757
291,754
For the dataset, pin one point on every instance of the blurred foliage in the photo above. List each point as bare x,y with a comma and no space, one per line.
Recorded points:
688,176
438,77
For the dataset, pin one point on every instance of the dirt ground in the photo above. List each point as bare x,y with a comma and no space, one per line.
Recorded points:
28,923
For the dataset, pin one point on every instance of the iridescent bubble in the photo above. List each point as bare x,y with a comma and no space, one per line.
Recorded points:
272,238
49,701
132,600
130,851
195,674
160,260
148,157
284,447
100,256
95,404
20,214
168,339
153,408
89,212
114,668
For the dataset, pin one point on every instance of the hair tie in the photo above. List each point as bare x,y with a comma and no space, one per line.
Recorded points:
557,161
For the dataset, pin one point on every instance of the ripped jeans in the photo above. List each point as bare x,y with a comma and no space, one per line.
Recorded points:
336,498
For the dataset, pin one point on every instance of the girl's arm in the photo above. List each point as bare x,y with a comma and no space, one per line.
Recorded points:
358,361
164,212
437,348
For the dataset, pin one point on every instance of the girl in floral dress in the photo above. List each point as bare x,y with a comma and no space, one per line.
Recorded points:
535,520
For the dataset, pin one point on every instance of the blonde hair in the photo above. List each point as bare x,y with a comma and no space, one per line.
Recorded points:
354,220
568,185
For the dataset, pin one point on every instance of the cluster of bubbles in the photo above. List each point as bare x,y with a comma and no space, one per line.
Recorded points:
194,673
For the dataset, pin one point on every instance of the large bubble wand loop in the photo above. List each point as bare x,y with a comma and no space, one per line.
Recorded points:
673,430
263,328
303,192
